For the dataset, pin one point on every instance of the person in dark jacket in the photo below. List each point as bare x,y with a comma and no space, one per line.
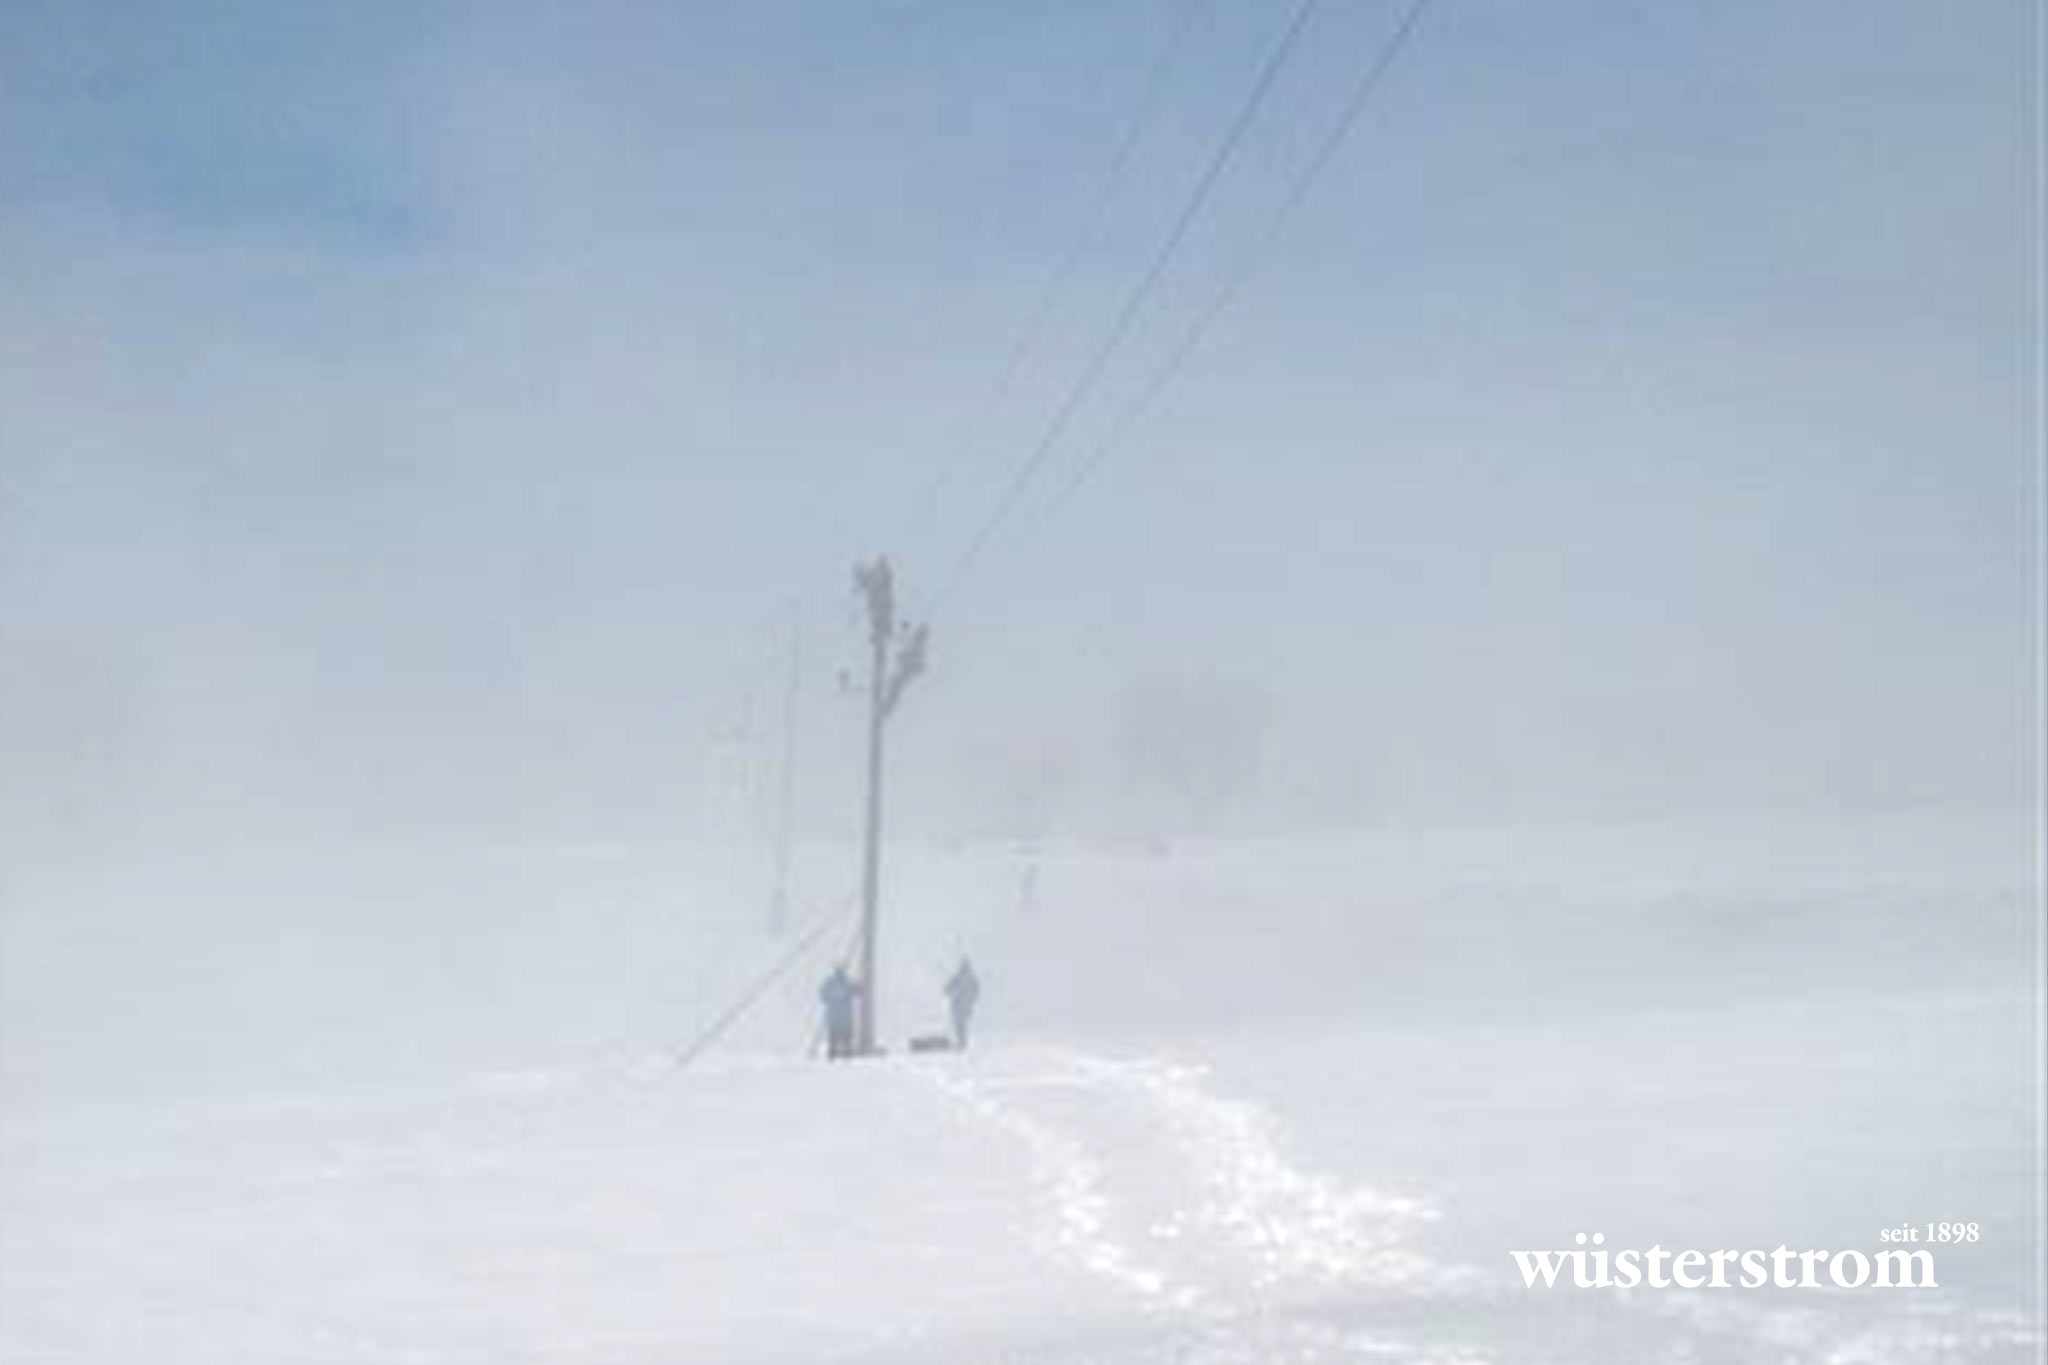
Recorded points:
963,989
838,995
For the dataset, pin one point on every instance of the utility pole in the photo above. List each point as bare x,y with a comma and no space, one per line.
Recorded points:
887,677
785,797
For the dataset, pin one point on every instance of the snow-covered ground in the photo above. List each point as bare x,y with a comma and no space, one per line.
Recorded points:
1120,1178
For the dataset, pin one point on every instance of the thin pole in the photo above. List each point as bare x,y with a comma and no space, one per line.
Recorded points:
887,677
877,582
785,814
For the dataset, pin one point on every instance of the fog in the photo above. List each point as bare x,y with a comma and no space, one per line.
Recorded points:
1592,565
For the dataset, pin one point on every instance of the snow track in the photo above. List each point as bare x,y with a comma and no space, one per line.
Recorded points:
1179,1198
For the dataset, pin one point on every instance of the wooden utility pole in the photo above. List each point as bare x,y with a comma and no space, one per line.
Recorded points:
887,677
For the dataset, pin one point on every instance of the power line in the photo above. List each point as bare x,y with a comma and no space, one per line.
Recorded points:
1049,296
1361,95
1128,416
1056,284
1134,303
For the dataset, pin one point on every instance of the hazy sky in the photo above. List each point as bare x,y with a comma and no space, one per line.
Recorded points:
422,417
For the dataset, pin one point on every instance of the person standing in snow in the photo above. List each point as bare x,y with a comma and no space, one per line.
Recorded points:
838,995
963,988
